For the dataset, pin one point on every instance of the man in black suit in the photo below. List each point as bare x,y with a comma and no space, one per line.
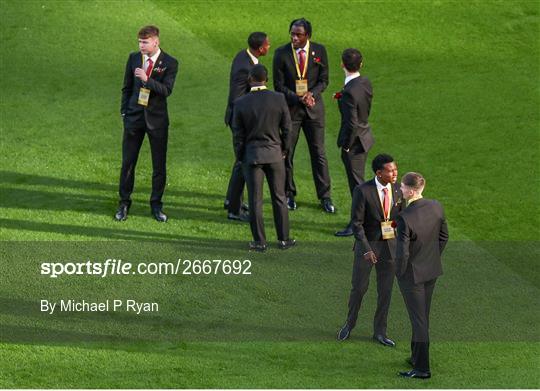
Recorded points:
422,235
355,138
258,45
148,81
261,147
301,73
376,203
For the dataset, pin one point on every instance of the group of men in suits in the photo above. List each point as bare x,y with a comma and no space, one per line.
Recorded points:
266,127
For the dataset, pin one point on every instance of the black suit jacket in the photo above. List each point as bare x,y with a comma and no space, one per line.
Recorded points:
238,82
160,84
285,76
257,120
422,236
366,217
354,106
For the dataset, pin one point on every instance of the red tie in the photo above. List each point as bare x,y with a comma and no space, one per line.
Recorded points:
386,203
302,60
149,67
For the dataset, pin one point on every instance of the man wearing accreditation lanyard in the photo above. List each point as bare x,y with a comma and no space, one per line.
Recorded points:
148,81
301,73
376,203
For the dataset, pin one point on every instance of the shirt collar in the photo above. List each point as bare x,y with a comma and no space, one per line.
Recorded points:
411,200
253,58
380,186
154,57
351,76
258,88
305,48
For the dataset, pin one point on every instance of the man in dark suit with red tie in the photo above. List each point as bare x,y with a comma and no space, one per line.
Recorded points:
258,45
376,203
261,147
301,73
148,81
422,235
355,138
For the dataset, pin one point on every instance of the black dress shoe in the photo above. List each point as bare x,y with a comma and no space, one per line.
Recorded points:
415,373
121,213
328,207
257,246
291,204
285,244
238,217
345,232
159,215
244,208
384,340
344,332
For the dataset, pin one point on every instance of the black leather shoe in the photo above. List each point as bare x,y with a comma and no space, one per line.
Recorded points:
345,232
121,213
344,332
257,246
238,217
384,340
291,204
244,208
285,244
159,215
415,373
328,207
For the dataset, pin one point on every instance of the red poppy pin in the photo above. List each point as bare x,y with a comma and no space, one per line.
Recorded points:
394,224
337,95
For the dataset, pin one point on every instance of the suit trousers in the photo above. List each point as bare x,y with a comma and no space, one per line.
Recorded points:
385,269
355,163
417,299
236,188
314,132
275,176
131,145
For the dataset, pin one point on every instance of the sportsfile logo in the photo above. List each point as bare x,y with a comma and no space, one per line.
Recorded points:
114,267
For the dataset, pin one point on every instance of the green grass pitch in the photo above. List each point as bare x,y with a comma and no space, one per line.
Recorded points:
456,97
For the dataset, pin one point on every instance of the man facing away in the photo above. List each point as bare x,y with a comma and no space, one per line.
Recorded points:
148,81
262,148
258,45
376,203
355,138
301,73
422,235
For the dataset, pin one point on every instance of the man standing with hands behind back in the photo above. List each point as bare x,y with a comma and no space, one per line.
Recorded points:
258,45
301,73
261,147
422,235
148,81
355,138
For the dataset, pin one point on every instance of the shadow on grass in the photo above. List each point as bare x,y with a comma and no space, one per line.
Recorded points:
179,205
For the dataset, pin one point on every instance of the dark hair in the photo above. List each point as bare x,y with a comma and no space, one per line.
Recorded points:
148,31
258,73
256,40
352,59
301,22
414,180
380,160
